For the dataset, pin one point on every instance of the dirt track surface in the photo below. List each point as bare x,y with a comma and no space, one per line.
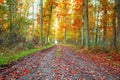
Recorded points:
57,63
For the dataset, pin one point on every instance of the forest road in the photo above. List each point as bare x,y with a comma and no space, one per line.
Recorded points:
56,63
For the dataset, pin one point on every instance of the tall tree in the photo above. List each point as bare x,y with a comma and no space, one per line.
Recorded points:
118,11
104,21
82,31
50,16
97,23
65,5
114,27
15,9
33,20
41,21
10,13
86,23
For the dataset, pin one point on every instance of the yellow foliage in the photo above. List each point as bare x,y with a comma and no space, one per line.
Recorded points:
5,26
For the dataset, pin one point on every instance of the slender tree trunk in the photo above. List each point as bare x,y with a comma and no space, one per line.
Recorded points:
97,26
15,6
95,20
14,18
48,32
104,28
99,34
82,31
33,22
26,16
118,12
41,22
65,26
2,20
86,23
114,29
10,16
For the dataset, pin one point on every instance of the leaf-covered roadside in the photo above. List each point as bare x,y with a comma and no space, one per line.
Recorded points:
60,63
111,59
7,58
104,56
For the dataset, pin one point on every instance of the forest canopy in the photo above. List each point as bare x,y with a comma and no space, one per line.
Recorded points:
80,22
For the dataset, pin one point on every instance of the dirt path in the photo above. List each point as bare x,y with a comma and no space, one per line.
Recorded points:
57,63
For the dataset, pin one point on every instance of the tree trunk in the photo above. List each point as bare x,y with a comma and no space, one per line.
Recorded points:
2,20
118,11
41,22
82,31
10,16
104,28
114,29
65,25
86,23
33,22
26,15
48,31
97,26
14,19
15,5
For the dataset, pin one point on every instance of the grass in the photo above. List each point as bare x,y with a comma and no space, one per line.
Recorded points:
8,57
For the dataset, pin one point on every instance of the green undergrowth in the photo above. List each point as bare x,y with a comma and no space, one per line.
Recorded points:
6,58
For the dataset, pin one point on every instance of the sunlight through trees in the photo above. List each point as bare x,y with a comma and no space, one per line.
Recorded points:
81,22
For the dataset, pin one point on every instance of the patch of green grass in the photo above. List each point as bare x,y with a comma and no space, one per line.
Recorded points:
8,57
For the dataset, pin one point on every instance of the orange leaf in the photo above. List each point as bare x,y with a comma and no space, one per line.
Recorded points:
1,1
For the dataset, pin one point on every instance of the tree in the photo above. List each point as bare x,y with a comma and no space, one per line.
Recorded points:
83,26
50,16
114,27
65,5
104,20
97,13
41,21
118,12
86,23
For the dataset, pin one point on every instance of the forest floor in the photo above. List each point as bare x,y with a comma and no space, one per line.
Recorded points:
62,63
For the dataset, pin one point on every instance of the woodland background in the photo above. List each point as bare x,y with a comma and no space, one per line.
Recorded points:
28,24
